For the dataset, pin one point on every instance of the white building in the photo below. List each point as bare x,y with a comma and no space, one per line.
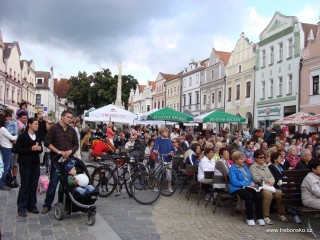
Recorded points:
190,87
277,70
140,99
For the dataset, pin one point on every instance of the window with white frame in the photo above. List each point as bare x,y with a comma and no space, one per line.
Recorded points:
315,85
178,90
171,92
229,94
190,99
212,73
197,97
263,89
175,92
239,69
271,55
204,99
280,51
271,88
212,98
190,81
290,84
280,87
290,47
38,99
184,100
168,93
219,96
263,58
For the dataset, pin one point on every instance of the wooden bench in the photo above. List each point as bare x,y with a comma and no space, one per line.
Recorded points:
291,197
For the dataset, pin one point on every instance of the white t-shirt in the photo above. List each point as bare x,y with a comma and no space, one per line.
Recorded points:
205,165
6,137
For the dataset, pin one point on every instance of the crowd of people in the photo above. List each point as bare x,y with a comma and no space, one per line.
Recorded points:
255,158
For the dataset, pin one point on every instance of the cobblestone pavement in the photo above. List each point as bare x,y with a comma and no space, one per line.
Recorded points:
123,218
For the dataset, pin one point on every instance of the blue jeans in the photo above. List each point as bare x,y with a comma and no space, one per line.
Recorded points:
27,197
7,164
51,192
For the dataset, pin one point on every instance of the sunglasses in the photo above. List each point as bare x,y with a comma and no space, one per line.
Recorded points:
261,157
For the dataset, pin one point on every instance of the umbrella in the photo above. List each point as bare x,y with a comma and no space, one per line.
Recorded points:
313,120
168,114
298,118
110,113
218,117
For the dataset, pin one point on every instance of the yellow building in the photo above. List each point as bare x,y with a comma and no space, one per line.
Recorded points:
240,82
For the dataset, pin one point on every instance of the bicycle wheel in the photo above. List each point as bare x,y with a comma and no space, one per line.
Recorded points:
164,177
104,178
91,168
145,188
128,180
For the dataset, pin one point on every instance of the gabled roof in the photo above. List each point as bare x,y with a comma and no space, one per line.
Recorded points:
152,84
224,56
45,76
307,28
141,88
8,47
61,87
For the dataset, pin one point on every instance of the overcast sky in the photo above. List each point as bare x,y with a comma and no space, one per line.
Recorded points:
147,36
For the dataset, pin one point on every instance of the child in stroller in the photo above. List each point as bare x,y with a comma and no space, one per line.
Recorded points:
69,199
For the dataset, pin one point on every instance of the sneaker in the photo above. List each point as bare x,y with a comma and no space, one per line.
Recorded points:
261,222
208,196
297,219
268,221
170,190
5,188
45,210
22,214
283,218
156,189
251,222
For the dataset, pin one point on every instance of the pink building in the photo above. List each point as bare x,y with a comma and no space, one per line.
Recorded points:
310,72
159,96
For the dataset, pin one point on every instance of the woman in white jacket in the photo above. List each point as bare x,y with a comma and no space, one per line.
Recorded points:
6,151
310,187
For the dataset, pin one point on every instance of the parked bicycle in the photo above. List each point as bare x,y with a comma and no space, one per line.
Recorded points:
138,183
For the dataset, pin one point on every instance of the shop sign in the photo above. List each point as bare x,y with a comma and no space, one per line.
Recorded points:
269,111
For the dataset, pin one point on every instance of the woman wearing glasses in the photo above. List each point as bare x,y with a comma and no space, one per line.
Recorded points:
261,175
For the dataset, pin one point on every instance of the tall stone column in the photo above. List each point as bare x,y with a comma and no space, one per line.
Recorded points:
118,102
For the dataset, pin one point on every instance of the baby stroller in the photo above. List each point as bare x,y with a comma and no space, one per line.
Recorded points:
69,200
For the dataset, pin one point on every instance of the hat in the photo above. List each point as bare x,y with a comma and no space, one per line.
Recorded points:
249,161
68,167
140,137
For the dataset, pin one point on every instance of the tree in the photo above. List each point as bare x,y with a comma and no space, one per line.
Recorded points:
98,89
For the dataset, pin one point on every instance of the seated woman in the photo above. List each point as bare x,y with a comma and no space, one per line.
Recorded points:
240,177
222,165
195,155
207,163
310,187
261,175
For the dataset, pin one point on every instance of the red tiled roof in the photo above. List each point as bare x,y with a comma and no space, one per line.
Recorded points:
61,87
307,28
224,56
141,88
152,84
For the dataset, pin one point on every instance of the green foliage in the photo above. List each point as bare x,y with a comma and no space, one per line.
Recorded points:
98,89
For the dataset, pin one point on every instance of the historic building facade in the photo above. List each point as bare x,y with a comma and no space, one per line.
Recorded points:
173,88
140,99
277,69
240,82
190,87
310,72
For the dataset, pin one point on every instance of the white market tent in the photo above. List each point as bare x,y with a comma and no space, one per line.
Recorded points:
110,113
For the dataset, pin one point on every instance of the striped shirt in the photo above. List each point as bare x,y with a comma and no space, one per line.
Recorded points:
63,140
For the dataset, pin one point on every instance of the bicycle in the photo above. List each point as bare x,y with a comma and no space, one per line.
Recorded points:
138,183
165,174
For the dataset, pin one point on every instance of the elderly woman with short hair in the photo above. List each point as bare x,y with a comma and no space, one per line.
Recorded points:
240,177
261,175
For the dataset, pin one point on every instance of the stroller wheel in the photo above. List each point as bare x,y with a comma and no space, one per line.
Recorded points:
59,211
90,219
